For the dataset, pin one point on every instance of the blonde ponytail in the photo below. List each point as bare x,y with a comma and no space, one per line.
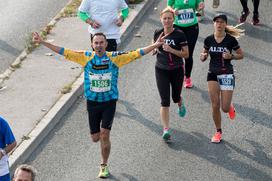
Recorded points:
235,31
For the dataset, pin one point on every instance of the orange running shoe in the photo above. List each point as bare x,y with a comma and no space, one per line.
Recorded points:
188,83
232,112
216,137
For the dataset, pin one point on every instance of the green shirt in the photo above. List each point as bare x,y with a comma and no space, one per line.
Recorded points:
187,11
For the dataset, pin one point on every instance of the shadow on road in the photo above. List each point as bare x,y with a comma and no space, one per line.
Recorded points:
253,58
204,93
199,145
258,154
254,115
125,177
8,48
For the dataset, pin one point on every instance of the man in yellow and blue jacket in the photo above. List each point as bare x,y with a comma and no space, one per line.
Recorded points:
100,85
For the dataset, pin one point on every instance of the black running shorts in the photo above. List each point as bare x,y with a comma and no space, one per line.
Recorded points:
213,77
101,114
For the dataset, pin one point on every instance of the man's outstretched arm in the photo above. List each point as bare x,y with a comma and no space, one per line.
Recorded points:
38,39
123,58
75,56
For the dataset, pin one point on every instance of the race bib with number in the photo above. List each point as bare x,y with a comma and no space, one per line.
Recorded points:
100,82
226,81
185,16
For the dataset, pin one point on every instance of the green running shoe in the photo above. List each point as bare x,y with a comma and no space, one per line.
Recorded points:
104,172
182,109
166,135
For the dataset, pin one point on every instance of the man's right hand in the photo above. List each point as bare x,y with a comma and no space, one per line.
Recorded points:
94,24
36,38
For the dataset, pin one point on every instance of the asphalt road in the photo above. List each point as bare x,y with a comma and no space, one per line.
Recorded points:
18,19
138,152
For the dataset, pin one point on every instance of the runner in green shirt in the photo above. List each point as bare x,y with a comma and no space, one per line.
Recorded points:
186,20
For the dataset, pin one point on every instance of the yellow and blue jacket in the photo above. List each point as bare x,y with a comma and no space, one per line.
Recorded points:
101,73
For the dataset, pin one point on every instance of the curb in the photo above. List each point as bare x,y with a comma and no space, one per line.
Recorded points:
54,115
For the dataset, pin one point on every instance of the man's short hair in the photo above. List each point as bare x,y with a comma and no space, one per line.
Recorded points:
26,168
98,34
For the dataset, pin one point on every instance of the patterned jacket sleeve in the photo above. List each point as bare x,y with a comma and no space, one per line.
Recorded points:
123,58
75,56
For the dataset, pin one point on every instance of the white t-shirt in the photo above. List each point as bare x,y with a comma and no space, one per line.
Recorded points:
105,12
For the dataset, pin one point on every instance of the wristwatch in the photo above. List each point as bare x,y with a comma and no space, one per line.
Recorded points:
3,152
232,57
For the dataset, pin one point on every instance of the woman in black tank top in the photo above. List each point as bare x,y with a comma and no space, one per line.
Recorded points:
220,77
169,68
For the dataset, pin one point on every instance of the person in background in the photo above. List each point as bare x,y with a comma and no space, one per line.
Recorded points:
7,144
104,17
186,21
24,172
245,12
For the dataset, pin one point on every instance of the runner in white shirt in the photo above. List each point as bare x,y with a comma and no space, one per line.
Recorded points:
103,17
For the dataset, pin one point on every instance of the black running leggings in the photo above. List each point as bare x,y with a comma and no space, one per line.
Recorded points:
191,34
167,78
255,5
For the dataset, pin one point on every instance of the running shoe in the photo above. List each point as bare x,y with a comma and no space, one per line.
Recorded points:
255,19
216,137
188,83
166,135
216,3
104,172
232,112
243,16
182,109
